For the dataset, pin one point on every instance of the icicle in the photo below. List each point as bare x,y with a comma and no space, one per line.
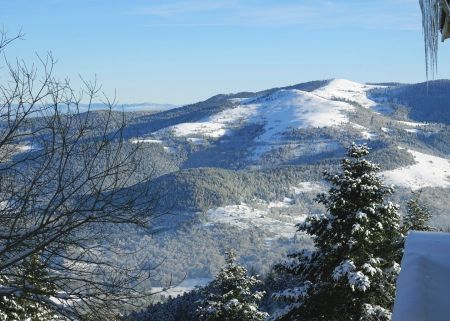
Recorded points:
430,25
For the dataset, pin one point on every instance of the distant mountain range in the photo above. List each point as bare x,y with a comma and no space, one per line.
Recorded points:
300,124
137,107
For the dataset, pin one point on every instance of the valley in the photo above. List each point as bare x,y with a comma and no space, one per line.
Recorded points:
241,170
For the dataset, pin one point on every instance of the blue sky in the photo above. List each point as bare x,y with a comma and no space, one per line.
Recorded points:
183,51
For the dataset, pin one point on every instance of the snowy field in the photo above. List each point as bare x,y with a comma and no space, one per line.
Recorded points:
347,90
286,109
307,187
186,286
146,141
274,218
245,216
429,171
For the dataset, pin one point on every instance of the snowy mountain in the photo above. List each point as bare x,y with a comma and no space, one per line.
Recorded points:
290,126
277,112
254,162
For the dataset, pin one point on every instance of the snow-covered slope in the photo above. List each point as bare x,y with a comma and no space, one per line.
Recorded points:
347,90
291,126
278,112
422,286
429,171
244,216
295,109
282,110
288,126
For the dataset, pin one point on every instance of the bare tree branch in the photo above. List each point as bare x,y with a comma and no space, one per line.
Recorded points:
66,177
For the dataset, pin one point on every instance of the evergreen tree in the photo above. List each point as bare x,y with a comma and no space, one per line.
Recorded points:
24,304
230,296
417,215
351,273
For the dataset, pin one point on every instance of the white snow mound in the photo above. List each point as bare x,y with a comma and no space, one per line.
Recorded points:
422,286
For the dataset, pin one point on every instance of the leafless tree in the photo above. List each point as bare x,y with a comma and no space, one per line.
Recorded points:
66,178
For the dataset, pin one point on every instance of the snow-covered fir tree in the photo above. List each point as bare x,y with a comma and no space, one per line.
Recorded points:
231,296
351,273
417,215
19,305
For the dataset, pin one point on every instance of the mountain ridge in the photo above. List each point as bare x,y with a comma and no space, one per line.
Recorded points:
240,170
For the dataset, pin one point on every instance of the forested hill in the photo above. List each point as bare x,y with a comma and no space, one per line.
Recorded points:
426,102
241,170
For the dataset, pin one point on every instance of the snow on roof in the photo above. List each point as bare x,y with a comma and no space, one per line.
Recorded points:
423,286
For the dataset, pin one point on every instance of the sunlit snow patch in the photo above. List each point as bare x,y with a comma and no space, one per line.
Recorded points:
365,133
196,141
148,141
286,202
27,148
347,90
168,149
411,123
295,109
306,187
182,288
214,126
244,216
429,171
369,135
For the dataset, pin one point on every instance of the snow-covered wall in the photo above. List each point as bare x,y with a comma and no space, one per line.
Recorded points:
423,286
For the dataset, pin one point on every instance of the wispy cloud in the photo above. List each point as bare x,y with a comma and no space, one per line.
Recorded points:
371,14
183,8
